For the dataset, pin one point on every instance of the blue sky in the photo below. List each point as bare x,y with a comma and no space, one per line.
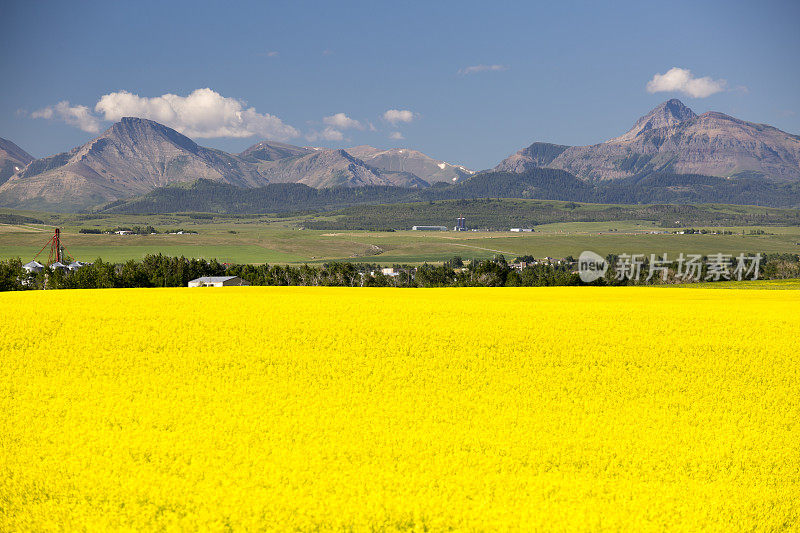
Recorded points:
563,72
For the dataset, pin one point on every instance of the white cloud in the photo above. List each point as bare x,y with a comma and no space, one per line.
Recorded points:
273,53
328,134
396,135
395,116
343,122
79,116
474,69
681,80
203,113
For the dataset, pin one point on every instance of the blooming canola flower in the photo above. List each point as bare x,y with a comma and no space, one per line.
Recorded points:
565,408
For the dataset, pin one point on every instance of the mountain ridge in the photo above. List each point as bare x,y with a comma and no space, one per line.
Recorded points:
12,159
273,151
408,160
331,168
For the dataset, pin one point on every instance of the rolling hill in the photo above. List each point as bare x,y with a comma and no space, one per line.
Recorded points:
537,183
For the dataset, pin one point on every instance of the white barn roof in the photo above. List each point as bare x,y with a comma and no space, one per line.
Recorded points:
214,279
219,281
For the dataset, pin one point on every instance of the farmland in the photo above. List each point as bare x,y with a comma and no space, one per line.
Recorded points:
382,409
286,240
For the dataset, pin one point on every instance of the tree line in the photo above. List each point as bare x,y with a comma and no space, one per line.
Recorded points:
164,271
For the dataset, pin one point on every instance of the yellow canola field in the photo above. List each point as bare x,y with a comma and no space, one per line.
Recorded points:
388,409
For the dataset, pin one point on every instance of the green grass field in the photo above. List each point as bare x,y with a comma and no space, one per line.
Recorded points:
774,284
260,239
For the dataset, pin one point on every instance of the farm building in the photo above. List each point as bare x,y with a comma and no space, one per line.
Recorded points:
218,281
33,266
429,228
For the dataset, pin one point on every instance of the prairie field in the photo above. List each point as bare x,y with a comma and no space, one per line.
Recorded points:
308,408
259,239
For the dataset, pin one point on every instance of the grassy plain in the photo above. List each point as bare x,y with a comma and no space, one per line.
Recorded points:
259,239
388,409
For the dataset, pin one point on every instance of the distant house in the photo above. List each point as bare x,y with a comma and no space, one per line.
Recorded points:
218,281
429,228
522,230
391,272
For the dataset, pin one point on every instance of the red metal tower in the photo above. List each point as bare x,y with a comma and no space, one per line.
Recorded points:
56,249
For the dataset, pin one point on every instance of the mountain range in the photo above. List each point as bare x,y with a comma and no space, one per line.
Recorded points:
135,156
672,138
670,154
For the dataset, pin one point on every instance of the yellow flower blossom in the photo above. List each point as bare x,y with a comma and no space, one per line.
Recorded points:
306,408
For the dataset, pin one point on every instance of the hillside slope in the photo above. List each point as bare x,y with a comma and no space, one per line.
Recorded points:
537,183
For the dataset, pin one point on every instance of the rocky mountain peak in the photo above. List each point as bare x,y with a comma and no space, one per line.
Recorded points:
273,151
134,130
664,115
